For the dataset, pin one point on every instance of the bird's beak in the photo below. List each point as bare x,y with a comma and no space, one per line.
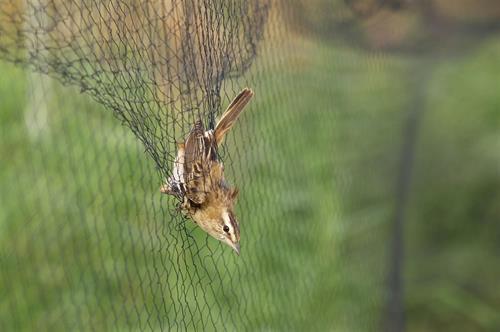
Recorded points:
236,247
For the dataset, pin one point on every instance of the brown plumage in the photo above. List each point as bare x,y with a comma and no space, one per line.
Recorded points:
198,177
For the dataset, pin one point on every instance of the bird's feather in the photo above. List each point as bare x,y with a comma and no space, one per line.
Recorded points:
194,146
200,157
231,114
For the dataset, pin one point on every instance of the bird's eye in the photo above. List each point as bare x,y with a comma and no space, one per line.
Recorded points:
226,228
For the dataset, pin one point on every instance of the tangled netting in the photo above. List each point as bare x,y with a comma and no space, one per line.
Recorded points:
158,64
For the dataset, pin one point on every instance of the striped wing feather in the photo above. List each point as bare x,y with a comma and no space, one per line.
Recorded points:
198,153
231,114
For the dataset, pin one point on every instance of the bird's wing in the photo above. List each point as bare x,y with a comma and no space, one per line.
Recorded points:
198,150
231,114
194,146
175,183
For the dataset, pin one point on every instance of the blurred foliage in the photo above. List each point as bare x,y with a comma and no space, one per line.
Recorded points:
396,25
453,226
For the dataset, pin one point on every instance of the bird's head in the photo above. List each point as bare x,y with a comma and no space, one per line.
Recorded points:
220,222
229,230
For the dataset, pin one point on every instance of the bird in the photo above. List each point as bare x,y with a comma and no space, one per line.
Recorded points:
198,178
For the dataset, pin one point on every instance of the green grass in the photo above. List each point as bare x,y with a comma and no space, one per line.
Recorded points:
86,240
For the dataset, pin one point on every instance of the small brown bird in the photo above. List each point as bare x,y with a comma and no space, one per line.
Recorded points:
198,177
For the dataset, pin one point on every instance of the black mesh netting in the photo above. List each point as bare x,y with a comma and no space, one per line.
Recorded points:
367,164
157,64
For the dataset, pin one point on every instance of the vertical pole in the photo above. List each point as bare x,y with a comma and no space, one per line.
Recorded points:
39,89
395,320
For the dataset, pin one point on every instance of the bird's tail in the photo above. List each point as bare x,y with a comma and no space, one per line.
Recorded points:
231,114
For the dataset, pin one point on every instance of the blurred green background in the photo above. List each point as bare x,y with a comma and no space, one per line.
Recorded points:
87,242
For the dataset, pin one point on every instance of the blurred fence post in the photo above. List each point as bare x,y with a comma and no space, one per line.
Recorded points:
395,320
39,90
